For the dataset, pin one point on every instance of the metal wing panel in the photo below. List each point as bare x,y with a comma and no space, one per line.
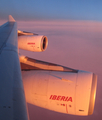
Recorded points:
12,98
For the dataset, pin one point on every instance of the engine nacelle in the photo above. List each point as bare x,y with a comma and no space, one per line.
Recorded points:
35,43
65,92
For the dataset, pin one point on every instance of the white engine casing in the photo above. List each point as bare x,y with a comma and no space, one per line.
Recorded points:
35,43
65,92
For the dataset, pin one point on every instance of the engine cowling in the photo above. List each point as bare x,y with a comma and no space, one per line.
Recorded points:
35,43
65,92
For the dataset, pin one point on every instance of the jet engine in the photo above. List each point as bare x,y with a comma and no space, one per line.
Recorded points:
32,42
65,92
58,88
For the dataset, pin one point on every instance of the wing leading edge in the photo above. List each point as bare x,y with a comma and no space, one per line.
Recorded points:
12,98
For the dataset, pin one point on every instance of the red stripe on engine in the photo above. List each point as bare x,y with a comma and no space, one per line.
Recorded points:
31,43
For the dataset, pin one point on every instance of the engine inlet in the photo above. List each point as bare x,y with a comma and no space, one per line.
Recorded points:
44,43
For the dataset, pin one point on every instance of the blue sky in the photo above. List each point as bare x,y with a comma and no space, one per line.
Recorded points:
52,9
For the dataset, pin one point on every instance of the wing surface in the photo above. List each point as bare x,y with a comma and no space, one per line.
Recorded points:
12,98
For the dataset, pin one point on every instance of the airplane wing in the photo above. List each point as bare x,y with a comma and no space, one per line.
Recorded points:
12,97
46,85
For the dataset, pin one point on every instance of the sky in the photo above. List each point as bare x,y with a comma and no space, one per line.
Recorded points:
51,9
74,31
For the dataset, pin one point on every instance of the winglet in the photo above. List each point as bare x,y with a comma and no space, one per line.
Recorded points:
11,19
